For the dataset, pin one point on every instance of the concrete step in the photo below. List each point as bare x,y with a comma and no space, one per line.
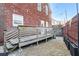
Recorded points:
2,53
1,49
9,45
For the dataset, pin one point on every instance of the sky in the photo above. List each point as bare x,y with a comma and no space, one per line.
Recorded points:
59,9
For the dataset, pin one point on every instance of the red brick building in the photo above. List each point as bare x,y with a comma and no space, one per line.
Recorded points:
33,14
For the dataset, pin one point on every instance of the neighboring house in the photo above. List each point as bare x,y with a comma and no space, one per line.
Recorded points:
29,14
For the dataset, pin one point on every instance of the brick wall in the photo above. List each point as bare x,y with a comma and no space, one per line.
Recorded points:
71,30
32,16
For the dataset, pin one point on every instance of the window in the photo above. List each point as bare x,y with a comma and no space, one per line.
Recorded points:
17,20
39,6
46,10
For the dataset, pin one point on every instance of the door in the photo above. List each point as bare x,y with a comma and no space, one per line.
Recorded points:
47,26
42,27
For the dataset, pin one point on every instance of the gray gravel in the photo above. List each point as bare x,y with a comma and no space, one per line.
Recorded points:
54,47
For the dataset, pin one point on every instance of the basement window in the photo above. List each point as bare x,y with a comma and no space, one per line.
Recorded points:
17,20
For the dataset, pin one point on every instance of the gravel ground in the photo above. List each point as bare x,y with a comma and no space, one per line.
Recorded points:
54,47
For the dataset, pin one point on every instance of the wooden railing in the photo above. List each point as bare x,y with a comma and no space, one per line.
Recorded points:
28,30
12,34
8,35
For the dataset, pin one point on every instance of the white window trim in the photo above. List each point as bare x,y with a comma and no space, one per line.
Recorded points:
17,20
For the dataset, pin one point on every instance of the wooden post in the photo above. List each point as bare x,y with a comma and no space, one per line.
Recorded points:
46,34
37,35
4,42
20,50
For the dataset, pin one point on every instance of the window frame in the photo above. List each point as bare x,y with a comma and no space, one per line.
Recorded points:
39,7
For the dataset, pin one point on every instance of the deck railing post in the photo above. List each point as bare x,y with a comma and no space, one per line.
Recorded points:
46,34
5,50
37,35
52,32
4,43
20,50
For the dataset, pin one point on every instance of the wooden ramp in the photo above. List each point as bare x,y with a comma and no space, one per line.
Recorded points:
53,47
22,36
